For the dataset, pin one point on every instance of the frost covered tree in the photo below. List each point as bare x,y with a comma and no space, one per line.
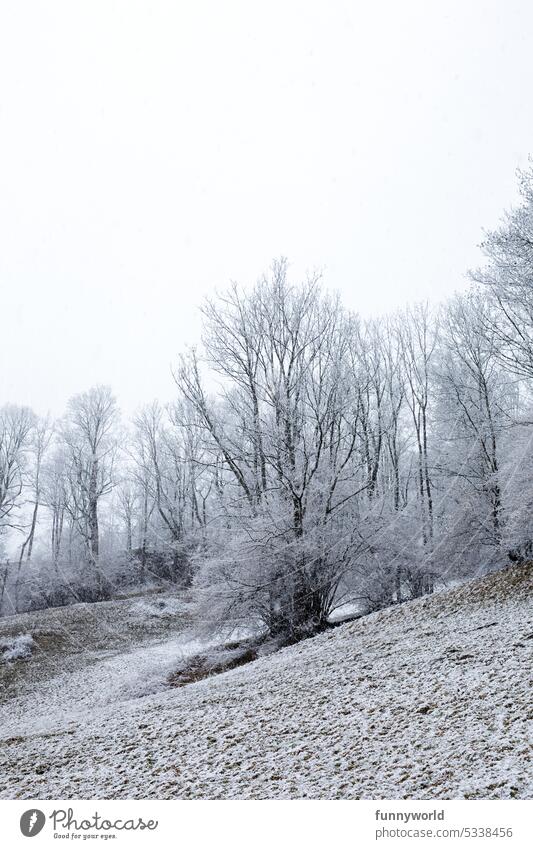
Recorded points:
506,283
298,436
507,278
310,460
16,428
89,435
56,498
41,436
476,405
172,486
418,335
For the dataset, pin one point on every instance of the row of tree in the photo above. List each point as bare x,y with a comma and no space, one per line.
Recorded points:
311,459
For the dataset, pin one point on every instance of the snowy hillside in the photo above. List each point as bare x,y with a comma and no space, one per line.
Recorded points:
430,699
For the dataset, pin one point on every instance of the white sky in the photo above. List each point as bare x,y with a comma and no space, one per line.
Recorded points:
152,151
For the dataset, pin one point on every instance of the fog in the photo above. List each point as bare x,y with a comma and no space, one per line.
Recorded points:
152,152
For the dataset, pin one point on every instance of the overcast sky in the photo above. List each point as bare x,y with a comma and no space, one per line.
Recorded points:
152,151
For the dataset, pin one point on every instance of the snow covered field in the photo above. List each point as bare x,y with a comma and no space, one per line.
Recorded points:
431,699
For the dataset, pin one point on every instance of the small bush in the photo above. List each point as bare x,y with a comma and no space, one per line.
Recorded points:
17,648
204,665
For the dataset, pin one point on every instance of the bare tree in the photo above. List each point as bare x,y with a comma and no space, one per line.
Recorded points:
480,394
16,426
507,278
418,341
168,470
89,434
41,436
286,428
56,497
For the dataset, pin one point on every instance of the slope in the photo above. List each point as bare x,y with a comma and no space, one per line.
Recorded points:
430,699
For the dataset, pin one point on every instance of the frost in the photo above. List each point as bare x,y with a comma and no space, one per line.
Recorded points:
163,607
426,700
18,648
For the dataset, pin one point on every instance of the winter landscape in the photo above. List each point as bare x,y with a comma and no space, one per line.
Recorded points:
405,703
183,614
306,571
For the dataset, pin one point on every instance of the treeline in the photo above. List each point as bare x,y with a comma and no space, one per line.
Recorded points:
311,459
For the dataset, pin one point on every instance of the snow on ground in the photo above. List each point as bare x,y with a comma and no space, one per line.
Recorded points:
17,648
427,700
66,639
70,698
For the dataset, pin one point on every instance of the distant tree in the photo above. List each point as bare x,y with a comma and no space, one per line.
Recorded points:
89,435
507,277
16,427
41,437
477,401
56,496
418,341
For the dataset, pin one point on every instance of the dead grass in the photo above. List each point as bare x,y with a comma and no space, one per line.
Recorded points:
63,634
203,666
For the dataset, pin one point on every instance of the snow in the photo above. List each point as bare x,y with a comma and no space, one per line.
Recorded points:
345,612
425,700
18,648
161,607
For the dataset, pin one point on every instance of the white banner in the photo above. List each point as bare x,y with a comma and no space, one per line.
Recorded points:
278,824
